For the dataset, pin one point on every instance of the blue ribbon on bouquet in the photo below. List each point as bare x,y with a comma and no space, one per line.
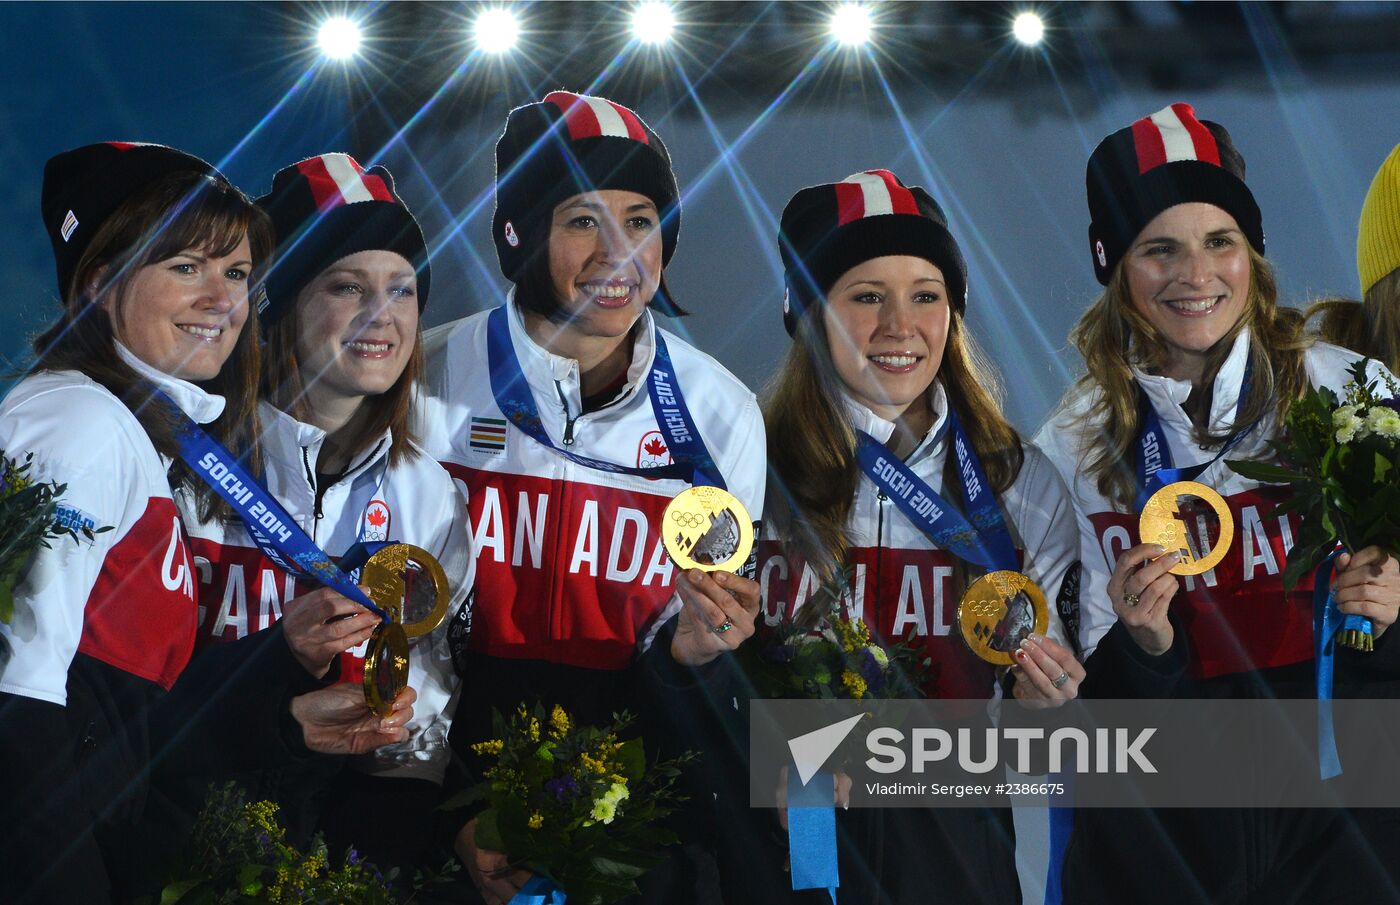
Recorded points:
539,891
812,833
1327,621
272,528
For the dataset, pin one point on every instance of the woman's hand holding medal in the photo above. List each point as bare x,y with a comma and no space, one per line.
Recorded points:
321,624
1368,584
1047,673
717,614
1141,590
334,720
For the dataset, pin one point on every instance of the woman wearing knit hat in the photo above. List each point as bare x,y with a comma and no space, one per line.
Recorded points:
1190,361
155,253
573,419
883,368
1372,327
348,281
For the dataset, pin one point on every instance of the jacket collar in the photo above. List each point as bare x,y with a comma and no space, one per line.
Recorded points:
862,418
543,368
288,440
1168,395
200,406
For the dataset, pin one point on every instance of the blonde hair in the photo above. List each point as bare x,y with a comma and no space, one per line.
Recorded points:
1112,335
1371,326
812,445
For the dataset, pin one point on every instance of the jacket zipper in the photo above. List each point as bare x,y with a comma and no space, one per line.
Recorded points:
568,422
315,492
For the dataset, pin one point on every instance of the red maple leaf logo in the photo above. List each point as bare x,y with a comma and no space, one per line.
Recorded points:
655,447
377,517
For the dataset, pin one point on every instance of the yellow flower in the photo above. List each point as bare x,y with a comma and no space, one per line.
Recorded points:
854,683
618,778
493,746
534,729
559,722
536,820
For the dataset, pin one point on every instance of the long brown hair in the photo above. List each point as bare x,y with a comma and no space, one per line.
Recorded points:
1371,326
179,211
812,445
284,386
1112,335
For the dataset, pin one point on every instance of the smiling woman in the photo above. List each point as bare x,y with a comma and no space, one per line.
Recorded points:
1190,360
349,279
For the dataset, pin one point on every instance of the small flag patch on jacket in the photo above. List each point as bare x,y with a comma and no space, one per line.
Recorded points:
488,434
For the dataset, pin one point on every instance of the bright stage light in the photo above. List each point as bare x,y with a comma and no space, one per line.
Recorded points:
652,23
1028,28
851,24
339,38
496,30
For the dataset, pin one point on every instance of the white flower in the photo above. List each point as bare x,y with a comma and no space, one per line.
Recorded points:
604,810
1348,424
1383,421
878,654
616,792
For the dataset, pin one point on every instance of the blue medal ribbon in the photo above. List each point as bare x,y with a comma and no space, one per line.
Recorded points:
1154,453
812,833
981,537
276,533
539,891
691,461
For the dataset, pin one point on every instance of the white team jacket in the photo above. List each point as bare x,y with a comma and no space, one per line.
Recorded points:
1236,615
900,584
126,597
570,564
240,591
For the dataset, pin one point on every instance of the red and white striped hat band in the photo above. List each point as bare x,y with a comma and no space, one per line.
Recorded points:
873,193
1173,134
596,117
338,179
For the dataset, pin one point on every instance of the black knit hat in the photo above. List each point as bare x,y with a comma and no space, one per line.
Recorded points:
1160,161
565,145
85,186
828,229
325,208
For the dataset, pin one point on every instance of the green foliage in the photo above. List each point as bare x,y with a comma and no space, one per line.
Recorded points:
239,854
838,658
27,511
1339,455
579,805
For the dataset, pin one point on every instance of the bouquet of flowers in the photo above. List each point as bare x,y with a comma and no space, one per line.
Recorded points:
576,805
1342,458
835,658
27,522
239,854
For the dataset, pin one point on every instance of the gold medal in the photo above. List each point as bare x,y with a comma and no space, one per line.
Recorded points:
1163,522
998,612
707,528
409,584
386,667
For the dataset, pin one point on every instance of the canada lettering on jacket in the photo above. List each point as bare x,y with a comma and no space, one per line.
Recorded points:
613,542
922,606
239,590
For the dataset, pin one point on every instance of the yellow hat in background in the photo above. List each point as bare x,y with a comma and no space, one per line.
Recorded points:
1378,233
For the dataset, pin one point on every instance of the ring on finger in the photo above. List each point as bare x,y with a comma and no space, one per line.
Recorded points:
723,627
1131,599
1060,680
